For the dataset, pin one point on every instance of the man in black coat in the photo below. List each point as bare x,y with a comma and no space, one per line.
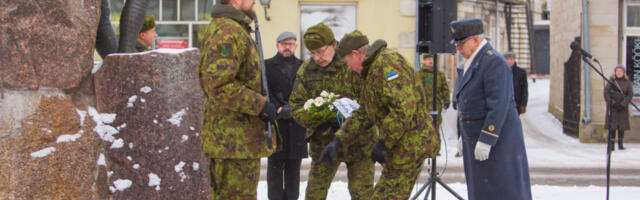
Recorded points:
520,87
281,73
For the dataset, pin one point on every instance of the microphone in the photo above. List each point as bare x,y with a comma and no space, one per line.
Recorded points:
576,47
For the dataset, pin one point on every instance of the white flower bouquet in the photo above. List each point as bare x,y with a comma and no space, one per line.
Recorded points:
320,109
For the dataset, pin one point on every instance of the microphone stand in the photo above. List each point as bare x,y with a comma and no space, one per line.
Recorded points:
609,145
433,175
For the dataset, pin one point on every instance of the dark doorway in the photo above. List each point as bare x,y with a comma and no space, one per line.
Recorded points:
541,47
571,100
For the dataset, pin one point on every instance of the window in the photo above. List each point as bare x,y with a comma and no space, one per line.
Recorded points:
633,16
177,21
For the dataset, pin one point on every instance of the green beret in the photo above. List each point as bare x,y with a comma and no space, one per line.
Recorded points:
427,56
351,41
149,23
318,36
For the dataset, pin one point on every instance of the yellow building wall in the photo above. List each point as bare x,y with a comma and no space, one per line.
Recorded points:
378,19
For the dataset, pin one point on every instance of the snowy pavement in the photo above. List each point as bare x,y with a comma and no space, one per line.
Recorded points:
561,167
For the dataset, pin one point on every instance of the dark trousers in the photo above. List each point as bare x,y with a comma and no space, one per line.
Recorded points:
612,138
287,169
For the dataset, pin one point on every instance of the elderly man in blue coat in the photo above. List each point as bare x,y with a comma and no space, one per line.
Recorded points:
495,159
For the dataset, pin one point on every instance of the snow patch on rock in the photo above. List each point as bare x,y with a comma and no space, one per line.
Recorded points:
43,152
101,160
176,118
121,184
145,89
154,180
196,166
69,138
117,144
132,100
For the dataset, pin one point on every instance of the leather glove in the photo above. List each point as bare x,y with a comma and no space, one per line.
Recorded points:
446,106
326,126
378,152
460,145
522,109
482,151
618,106
268,112
455,106
330,151
285,113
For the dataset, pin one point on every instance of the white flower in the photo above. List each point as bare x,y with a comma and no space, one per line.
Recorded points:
324,93
318,101
333,95
331,107
307,105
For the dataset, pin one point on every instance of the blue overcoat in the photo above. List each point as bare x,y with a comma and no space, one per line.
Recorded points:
487,113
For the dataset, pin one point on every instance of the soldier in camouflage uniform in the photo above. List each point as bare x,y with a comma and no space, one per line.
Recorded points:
425,75
233,131
326,72
390,100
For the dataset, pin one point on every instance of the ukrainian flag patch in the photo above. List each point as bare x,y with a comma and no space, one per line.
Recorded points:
391,76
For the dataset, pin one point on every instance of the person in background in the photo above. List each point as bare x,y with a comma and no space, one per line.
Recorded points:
281,74
618,95
425,75
520,86
147,36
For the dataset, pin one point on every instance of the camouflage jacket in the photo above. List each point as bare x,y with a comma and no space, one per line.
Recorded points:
230,76
311,80
426,77
391,98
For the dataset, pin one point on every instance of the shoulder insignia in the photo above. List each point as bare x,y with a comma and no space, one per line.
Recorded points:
224,49
391,76
492,128
429,80
490,52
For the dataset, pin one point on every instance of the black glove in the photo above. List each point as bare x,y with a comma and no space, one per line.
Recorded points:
446,106
330,151
285,113
618,107
327,125
378,152
268,112
455,106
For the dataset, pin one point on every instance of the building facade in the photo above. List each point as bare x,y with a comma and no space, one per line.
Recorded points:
610,31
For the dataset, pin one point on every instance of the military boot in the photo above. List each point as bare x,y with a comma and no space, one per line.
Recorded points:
620,140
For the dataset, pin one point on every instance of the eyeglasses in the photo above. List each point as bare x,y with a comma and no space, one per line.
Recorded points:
319,52
459,44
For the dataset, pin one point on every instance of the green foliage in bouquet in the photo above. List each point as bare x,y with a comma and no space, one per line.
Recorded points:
320,109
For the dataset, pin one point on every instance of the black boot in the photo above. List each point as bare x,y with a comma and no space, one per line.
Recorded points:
620,140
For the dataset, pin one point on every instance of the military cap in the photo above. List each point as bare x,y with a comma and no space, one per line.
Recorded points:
426,55
464,28
286,35
318,36
351,41
509,54
149,23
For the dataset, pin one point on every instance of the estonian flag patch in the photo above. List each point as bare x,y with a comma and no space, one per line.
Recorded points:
391,76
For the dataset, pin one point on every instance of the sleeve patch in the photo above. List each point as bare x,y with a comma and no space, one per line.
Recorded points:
224,49
391,76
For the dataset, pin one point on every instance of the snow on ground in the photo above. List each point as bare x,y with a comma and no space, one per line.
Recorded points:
546,145
339,191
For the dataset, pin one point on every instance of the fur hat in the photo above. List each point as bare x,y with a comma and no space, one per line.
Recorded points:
318,36
149,23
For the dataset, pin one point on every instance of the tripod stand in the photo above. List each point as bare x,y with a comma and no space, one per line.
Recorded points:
433,175
609,143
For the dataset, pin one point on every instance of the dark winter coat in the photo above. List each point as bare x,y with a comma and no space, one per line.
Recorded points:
281,74
520,86
487,113
619,119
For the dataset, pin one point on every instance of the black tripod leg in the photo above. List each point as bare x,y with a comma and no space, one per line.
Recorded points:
438,180
609,145
424,186
426,194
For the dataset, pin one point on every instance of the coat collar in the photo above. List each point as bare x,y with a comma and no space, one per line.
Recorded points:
473,66
228,11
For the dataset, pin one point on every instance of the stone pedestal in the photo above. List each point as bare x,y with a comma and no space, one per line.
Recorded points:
155,150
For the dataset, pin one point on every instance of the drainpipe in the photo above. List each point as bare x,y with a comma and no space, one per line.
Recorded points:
497,38
417,55
587,69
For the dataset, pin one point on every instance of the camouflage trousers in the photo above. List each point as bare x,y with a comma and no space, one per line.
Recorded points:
234,178
360,173
397,181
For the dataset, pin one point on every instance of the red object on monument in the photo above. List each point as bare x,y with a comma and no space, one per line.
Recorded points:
173,44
